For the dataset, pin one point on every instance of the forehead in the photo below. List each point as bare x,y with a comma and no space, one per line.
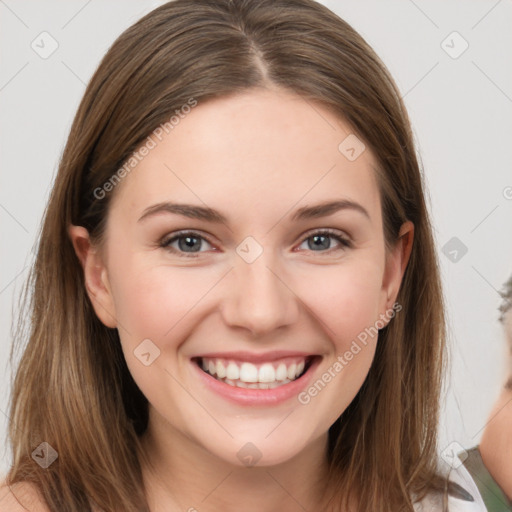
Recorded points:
260,151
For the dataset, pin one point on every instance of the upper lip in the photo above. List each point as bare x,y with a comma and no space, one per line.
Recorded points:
255,357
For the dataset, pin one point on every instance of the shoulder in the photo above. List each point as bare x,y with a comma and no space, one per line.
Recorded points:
463,497
21,497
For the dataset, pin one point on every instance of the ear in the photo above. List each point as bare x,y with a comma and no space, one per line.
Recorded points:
95,275
396,263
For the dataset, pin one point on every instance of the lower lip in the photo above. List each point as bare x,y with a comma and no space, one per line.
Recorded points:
246,396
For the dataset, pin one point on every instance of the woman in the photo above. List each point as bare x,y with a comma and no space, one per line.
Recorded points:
196,350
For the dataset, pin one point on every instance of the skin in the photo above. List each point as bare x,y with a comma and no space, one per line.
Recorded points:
256,157
21,497
496,443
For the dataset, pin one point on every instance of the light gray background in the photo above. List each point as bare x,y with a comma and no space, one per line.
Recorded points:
461,115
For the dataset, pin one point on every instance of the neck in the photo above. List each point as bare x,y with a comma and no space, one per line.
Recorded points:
179,474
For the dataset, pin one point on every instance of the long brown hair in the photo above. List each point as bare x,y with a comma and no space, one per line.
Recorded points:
73,389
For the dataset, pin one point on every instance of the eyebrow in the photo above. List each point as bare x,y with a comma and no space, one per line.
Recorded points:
210,215
328,208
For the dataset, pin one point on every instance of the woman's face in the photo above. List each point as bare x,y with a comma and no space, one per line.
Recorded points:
261,294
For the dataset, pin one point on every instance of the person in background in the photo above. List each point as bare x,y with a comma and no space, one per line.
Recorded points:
490,463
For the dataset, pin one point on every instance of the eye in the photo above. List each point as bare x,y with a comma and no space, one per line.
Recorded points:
189,242
322,240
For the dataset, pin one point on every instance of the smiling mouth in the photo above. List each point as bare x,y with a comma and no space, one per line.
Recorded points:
267,375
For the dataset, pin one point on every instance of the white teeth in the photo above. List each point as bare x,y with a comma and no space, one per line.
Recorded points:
232,372
255,385
221,371
248,375
281,372
267,373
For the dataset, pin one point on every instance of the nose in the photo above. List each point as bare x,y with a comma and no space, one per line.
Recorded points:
258,297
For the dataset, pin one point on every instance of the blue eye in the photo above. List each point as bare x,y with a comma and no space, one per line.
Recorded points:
189,242
321,239
186,240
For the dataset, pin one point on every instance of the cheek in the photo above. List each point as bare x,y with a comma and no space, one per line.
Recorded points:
346,306
159,304
345,299
150,301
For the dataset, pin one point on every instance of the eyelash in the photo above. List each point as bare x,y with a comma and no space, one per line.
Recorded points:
165,243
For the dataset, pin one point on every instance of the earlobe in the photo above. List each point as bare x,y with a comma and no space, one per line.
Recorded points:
95,275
